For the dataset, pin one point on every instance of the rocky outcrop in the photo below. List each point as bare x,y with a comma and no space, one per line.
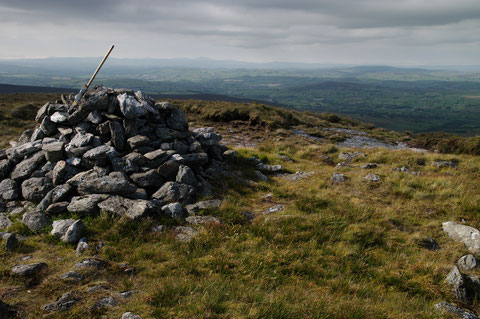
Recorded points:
467,235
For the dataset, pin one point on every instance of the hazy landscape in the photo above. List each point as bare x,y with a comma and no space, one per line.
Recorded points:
401,99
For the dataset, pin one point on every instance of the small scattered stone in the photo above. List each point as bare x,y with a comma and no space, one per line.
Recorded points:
91,263
65,302
338,178
372,178
130,315
460,313
429,243
125,294
369,166
260,176
72,276
194,209
202,220
107,302
185,234
81,246
274,209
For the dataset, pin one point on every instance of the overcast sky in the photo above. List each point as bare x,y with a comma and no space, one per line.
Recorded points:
395,32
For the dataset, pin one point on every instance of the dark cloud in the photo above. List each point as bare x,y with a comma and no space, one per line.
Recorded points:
248,29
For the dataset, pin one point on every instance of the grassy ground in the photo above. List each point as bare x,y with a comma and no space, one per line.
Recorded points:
348,250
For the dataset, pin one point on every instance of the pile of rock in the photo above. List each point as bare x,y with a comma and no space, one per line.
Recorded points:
117,151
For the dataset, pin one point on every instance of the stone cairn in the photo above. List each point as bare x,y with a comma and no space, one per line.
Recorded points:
117,151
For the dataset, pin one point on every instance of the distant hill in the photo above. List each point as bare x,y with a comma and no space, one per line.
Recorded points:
9,88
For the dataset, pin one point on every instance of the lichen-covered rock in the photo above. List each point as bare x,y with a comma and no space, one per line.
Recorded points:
9,189
203,220
54,152
29,270
34,189
86,204
35,220
65,302
5,222
115,183
131,208
173,210
25,168
194,209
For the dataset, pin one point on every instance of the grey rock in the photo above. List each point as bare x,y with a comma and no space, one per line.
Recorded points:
369,166
158,229
130,107
269,168
180,147
194,209
60,226
5,167
115,183
273,209
59,172
19,152
96,288
192,160
136,158
9,189
95,117
130,315
202,220
174,192
229,154
48,127
35,220
467,235
118,135
75,162
34,189
4,221
185,175
57,194
372,178
72,276
125,294
296,176
465,287
57,208
11,241
81,139
89,175
164,106
176,120
207,136
65,130
261,177
29,270
65,302
106,302
74,232
173,210
86,204
128,207
460,313
81,246
158,157
441,164
167,134
137,141
338,178
59,117
467,262
148,179
98,153
350,156
185,234
90,263
168,170
26,167
37,135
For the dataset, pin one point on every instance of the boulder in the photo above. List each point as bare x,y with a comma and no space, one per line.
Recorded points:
11,241
338,178
173,210
130,107
185,234
118,135
106,302
59,172
81,246
168,170
57,208
35,220
128,207
467,235
54,152
372,178
176,120
60,226
9,189
25,168
34,189
115,183
72,276
86,204
5,167
185,175
158,157
149,178
90,263
454,310
29,270
174,192
137,141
